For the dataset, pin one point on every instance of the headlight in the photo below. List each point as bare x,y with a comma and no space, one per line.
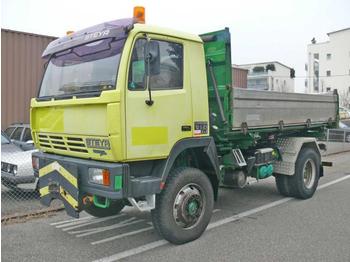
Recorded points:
99,176
35,163
14,170
8,168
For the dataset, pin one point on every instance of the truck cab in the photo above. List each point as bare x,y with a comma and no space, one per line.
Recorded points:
96,93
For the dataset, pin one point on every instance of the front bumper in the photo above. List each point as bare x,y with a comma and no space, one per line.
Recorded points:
16,180
66,178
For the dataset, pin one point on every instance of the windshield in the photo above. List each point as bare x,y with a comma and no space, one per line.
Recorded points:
4,139
92,67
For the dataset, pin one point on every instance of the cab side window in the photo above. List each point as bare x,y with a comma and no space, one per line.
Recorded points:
137,80
171,67
170,75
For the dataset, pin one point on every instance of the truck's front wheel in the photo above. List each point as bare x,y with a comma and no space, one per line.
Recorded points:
113,209
184,207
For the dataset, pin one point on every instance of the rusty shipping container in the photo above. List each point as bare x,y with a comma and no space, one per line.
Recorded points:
239,77
21,72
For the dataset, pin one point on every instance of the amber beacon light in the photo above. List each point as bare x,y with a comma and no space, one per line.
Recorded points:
139,14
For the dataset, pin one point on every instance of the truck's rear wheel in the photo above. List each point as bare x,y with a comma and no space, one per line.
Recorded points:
307,173
114,208
184,208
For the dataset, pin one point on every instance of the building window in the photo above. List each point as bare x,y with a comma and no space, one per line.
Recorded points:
260,83
316,56
316,76
328,72
305,82
329,56
306,68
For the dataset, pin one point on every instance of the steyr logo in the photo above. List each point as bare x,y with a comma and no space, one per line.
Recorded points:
96,35
98,143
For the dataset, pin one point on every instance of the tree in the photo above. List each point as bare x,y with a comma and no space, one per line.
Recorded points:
270,67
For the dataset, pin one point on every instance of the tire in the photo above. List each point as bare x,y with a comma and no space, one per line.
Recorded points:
283,184
304,182
184,207
114,208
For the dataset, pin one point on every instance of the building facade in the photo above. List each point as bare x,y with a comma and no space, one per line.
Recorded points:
328,65
271,76
21,71
239,77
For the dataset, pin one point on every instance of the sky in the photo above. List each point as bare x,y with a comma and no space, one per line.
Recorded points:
261,31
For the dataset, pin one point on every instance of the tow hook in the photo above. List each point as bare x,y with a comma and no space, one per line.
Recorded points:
88,200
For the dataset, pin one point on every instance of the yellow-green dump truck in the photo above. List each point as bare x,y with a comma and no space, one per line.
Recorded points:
132,114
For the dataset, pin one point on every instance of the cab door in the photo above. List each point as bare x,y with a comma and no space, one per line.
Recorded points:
156,120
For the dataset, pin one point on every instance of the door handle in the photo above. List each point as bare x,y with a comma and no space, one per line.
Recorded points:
186,128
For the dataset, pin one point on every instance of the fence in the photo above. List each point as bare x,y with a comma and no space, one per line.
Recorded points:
338,135
19,194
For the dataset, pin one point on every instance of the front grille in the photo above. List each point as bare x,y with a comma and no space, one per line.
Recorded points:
62,142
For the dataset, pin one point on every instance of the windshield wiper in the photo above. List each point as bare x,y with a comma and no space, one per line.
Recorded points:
70,95
89,86
84,90
78,94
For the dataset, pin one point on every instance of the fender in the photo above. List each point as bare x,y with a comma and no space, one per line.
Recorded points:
209,148
290,148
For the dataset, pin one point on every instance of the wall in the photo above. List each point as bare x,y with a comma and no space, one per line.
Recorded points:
282,82
21,71
239,77
278,80
338,64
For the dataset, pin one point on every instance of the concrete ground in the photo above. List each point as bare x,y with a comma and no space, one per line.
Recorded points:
250,224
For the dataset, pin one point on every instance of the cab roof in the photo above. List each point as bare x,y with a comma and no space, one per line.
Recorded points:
117,28
166,31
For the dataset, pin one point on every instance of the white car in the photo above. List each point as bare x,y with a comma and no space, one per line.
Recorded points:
344,113
16,166
343,125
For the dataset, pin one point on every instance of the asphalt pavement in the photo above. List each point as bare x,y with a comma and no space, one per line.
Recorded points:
250,224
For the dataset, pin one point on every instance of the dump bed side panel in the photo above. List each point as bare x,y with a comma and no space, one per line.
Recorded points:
262,109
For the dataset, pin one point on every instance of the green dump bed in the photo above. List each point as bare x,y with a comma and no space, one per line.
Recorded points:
246,109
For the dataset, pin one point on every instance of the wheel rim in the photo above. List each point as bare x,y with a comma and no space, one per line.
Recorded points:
189,206
309,173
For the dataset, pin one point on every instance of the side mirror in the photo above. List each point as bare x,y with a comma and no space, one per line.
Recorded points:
152,58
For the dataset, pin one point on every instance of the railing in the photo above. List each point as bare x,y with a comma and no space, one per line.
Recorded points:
338,135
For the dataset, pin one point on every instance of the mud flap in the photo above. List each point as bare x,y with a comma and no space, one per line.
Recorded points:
59,181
